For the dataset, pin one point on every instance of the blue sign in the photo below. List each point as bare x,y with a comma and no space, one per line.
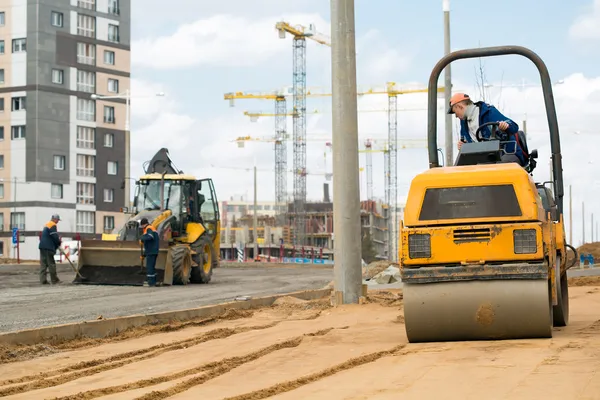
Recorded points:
14,235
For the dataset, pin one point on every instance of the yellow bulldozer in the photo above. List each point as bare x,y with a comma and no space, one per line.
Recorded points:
184,211
482,245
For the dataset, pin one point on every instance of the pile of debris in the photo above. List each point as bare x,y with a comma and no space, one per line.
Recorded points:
381,273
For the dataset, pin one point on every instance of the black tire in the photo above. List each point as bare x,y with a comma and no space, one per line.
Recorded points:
182,264
561,310
206,258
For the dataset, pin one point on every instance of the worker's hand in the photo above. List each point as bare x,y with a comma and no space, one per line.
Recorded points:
460,143
503,126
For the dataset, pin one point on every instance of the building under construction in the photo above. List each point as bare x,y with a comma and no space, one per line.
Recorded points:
276,241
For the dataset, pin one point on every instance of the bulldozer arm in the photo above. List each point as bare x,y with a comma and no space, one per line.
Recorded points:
108,262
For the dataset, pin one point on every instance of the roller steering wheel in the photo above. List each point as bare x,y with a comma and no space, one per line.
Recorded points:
494,126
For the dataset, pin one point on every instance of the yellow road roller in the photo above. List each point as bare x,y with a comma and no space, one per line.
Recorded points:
482,245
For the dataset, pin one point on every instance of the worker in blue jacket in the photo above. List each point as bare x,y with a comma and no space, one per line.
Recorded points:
49,243
474,114
150,240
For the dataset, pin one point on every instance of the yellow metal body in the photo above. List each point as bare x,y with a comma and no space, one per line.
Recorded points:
482,241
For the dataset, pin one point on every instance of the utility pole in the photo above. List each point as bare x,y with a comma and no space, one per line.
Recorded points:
582,222
447,84
255,217
592,227
346,193
570,216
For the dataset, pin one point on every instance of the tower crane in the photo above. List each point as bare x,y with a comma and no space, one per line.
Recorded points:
300,33
299,149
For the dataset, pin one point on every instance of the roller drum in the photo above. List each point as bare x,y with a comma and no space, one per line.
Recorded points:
477,310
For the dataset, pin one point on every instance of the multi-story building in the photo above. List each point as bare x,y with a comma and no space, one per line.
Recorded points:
63,147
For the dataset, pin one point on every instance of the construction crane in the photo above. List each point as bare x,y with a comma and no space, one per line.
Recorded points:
299,149
300,33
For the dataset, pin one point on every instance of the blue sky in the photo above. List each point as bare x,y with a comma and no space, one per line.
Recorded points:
196,51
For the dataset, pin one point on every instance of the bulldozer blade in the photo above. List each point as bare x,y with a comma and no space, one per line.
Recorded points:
481,303
115,263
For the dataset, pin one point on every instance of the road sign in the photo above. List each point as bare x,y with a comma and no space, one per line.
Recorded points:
14,235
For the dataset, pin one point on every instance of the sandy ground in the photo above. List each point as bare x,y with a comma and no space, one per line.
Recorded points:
24,303
309,350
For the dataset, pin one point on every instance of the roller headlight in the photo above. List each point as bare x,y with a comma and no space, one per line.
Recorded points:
419,245
525,241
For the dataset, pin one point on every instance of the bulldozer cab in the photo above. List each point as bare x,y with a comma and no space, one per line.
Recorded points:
207,206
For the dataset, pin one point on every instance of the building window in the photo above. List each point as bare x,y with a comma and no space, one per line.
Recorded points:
60,162
19,45
86,165
17,132
86,26
109,140
86,53
86,110
18,103
113,7
57,19
86,193
86,81
85,221
87,4
1,46
1,227
109,57
109,114
2,75
109,195
1,103
111,168
17,220
56,191
86,137
2,194
113,85
1,161
58,76
3,18
113,33
1,133
109,224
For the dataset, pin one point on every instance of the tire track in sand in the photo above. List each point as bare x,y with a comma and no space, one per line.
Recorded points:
289,385
211,370
16,353
87,368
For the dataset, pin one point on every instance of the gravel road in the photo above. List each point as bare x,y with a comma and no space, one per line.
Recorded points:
25,304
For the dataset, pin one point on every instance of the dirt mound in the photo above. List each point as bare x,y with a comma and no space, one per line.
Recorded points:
288,300
584,281
588,248
376,267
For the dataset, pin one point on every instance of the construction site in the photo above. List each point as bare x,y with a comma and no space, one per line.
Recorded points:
464,286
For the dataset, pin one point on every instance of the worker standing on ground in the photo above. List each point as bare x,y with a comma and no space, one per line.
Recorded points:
49,243
150,240
474,114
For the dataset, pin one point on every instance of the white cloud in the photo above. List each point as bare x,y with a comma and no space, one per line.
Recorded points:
587,25
220,40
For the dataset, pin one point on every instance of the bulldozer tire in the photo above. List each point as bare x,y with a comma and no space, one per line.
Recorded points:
182,264
207,260
561,310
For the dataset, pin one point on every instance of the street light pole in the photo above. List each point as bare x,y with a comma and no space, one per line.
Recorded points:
346,190
447,84
255,216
